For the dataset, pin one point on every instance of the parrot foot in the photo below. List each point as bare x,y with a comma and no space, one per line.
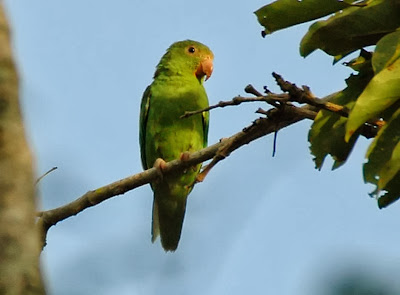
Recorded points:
160,165
202,175
184,156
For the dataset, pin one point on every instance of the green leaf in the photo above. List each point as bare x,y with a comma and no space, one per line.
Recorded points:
391,168
361,62
282,14
352,28
383,166
380,150
327,133
381,92
327,137
387,51
392,194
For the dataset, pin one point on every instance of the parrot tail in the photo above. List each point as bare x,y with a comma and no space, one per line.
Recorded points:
168,218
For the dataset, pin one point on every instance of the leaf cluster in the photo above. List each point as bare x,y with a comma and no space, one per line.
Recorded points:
372,94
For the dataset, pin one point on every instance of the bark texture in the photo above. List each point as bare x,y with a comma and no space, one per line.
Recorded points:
19,247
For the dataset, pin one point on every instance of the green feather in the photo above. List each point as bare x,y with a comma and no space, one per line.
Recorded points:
177,88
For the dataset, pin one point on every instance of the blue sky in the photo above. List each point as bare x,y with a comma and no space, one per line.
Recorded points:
257,224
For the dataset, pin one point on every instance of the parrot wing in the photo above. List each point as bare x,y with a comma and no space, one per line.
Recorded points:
144,112
206,118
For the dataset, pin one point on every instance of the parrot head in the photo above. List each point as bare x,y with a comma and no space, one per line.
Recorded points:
187,58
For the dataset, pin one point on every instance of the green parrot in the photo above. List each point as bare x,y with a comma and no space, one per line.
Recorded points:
164,136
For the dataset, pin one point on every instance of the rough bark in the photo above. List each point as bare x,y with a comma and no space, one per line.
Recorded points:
19,247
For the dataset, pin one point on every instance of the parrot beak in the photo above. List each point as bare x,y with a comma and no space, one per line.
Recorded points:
205,68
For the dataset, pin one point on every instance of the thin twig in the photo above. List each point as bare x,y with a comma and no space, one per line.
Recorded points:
44,175
237,100
304,95
274,143
269,98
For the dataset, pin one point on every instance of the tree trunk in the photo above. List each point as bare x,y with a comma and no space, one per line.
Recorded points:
19,247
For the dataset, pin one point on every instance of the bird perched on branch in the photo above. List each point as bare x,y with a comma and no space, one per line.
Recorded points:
165,136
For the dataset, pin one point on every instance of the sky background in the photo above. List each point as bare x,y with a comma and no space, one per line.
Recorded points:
257,225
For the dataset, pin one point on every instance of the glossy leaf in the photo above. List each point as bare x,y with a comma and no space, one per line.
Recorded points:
352,28
387,51
282,14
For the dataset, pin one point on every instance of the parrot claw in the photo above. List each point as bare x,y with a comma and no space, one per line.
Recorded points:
160,165
202,175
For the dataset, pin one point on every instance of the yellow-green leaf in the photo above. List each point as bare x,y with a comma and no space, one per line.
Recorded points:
381,92
387,51
391,167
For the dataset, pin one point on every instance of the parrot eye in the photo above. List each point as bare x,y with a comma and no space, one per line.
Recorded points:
191,49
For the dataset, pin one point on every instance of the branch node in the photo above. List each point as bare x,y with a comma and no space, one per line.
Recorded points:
250,89
262,112
266,90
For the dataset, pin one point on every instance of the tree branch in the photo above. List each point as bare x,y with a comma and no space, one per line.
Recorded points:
294,94
282,115
276,120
